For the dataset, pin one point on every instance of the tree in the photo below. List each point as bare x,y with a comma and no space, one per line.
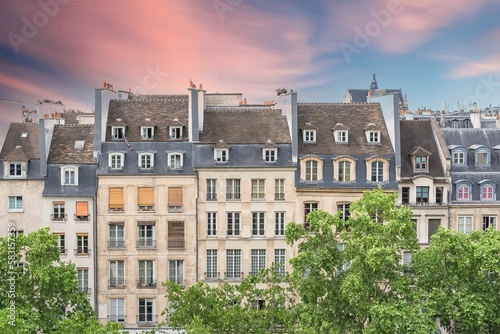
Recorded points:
458,276
38,291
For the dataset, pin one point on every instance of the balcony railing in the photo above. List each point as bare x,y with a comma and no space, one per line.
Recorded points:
116,282
86,290
212,275
176,243
423,204
82,251
178,280
211,196
116,243
82,218
232,196
146,243
116,209
258,196
148,318
62,251
117,317
58,217
279,196
233,275
146,208
146,283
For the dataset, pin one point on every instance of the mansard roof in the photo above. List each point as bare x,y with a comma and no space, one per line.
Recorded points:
64,148
21,137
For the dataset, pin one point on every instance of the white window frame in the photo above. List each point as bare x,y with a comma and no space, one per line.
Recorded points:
233,263
279,189
146,236
116,235
488,221
487,154
147,132
459,157
258,189
211,223
491,194
18,204
377,177
258,223
69,170
118,268
115,132
464,224
117,309
221,155
280,260
270,155
311,170
149,160
346,167
116,160
82,245
373,137
18,168
175,132
257,261
176,271
233,189
279,223
421,163
83,279
146,316
309,136
211,189
233,224
341,136
460,192
212,264
146,273
61,242
177,158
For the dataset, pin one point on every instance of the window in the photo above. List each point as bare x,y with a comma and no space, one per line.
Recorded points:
309,207
405,195
459,157
116,235
115,199
259,189
69,176
341,136
176,271
146,160
221,155
270,154
311,170
344,211
146,310
487,192
454,124
116,273
344,171
15,203
145,199
489,221
58,211
175,235
463,192
211,264
465,224
117,309
83,280
422,195
116,160
377,171
280,261
82,211
118,132
432,228
232,189
175,199
439,195
309,136
482,157
211,189
175,132
15,169
233,223
279,189
258,223
258,260
346,264
211,224
175,160
82,244
374,136
421,163
147,132
61,242
146,276
233,263
279,223
407,257
146,234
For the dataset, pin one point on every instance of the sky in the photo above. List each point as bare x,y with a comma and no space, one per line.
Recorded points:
435,51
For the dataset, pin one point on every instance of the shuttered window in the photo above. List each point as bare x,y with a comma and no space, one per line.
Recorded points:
175,196
175,234
82,208
146,196
116,199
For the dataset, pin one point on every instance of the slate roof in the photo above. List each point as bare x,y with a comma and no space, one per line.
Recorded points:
160,111
360,95
355,117
29,145
244,125
415,136
87,182
62,148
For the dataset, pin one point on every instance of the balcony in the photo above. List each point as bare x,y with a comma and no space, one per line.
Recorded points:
279,196
116,209
178,280
58,217
212,276
176,243
116,244
146,318
146,283
62,251
146,243
145,208
118,282
258,196
82,219
117,317
82,251
211,196
233,275
233,197
85,290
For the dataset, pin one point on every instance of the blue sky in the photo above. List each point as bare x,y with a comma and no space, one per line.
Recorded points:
434,51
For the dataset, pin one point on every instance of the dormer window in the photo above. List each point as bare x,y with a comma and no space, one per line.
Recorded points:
420,159
147,132
458,154
309,136
488,191
341,136
175,160
221,155
69,176
175,132
373,137
482,155
15,169
421,163
146,160
270,154
118,132
116,160
463,191
454,124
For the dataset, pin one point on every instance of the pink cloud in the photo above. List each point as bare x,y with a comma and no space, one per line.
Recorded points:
486,66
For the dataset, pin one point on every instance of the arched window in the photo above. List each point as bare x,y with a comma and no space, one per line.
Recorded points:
463,191
311,169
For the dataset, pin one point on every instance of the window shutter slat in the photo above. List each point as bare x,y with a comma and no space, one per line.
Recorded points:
146,197
82,208
175,196
116,198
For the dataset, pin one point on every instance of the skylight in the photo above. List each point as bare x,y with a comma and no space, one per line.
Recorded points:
24,134
79,144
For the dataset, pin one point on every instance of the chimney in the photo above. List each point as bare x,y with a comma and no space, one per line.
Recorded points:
287,102
498,121
195,113
475,118
442,121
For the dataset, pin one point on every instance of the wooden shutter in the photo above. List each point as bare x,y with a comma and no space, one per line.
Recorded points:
147,223
175,196
146,196
82,208
58,202
116,198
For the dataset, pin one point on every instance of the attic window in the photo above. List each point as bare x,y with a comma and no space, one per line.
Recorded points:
79,144
24,134
309,136
373,136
